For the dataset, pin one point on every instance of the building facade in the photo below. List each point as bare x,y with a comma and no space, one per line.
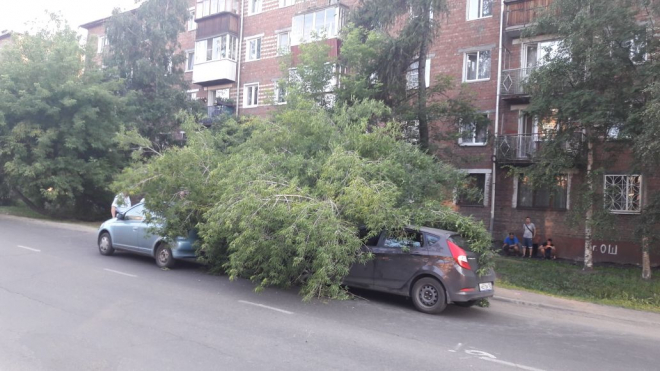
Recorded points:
233,54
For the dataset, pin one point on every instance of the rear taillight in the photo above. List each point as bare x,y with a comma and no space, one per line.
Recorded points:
459,255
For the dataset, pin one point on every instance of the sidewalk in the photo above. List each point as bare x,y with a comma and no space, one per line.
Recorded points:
530,299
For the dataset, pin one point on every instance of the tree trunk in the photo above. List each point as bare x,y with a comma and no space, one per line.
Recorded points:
422,117
646,259
588,252
29,203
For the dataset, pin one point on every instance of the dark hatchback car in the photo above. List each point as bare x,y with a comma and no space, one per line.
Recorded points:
432,266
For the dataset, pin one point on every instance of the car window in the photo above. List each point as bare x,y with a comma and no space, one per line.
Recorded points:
409,240
136,213
372,241
431,239
460,241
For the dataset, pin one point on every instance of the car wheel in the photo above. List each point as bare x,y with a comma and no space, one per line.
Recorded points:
164,258
105,244
428,295
465,304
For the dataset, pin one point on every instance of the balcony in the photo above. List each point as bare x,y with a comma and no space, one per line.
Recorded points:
518,148
219,110
513,82
214,72
522,13
521,148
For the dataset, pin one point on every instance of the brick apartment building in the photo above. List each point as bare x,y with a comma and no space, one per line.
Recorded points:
233,51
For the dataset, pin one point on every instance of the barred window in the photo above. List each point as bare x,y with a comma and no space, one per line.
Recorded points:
623,193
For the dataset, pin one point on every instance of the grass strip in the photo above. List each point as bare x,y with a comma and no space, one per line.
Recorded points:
611,285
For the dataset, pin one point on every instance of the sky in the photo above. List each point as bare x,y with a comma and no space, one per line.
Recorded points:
14,14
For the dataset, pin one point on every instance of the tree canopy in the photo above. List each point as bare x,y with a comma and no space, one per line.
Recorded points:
58,119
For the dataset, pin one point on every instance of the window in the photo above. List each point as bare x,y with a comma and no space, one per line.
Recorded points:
192,94
221,47
283,43
208,7
474,195
280,93
623,193
190,60
254,6
251,95
479,9
284,3
102,43
192,25
136,213
254,49
325,22
473,134
408,240
477,66
412,75
554,198
637,49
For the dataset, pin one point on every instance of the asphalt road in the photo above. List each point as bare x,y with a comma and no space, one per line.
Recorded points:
63,306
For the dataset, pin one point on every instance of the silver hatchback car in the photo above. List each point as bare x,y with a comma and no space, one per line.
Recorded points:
130,232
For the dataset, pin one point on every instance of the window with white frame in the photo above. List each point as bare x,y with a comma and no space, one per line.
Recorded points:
479,9
192,94
623,193
254,6
220,47
190,60
477,66
192,25
251,95
253,49
475,190
208,7
102,43
283,43
280,93
325,22
284,3
412,75
473,133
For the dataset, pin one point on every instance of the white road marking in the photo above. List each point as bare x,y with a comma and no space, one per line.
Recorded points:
265,306
122,273
522,367
29,248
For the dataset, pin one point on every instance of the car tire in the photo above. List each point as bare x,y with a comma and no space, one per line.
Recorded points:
465,304
428,296
164,258
105,244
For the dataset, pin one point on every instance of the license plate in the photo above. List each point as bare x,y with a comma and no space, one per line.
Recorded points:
488,286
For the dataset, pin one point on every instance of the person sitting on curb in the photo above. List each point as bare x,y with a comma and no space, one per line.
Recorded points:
549,250
511,243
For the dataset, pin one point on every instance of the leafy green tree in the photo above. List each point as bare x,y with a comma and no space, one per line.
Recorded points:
58,118
594,90
145,53
401,32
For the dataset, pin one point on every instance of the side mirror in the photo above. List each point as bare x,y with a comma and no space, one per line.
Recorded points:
120,216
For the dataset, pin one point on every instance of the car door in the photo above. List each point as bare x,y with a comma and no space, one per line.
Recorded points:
362,275
398,258
126,229
144,236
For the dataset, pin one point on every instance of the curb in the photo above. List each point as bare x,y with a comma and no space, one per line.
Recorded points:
533,304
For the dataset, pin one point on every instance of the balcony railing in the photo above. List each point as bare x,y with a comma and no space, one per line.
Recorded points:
215,111
521,148
516,148
522,13
513,81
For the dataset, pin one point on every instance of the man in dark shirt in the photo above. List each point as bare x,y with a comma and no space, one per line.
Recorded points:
511,244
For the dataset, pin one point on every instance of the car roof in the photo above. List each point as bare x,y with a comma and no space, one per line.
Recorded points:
435,231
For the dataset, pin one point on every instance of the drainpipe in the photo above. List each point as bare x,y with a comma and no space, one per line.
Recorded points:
240,53
493,177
